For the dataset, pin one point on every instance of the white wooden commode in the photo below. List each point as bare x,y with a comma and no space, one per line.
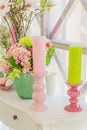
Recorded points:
17,114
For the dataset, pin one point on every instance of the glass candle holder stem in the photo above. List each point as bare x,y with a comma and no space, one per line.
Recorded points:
39,95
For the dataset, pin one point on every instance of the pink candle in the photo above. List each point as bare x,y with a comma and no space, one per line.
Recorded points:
39,54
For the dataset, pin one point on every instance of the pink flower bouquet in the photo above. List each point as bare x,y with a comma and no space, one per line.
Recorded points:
19,57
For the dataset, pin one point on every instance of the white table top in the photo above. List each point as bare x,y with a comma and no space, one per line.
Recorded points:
54,114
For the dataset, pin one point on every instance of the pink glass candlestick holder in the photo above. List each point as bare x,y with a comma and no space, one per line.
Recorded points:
74,93
39,95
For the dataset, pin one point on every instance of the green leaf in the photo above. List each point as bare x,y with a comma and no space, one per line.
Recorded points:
13,63
27,47
50,53
26,41
52,50
43,4
48,59
46,4
14,73
19,2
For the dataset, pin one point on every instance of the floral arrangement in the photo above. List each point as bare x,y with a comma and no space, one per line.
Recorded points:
19,14
19,57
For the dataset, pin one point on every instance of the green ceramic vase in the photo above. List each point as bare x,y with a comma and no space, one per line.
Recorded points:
24,86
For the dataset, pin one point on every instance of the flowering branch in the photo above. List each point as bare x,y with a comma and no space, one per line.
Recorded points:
31,19
20,14
9,28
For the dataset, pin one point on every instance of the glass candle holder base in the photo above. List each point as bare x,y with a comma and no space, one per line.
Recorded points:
73,108
39,107
74,93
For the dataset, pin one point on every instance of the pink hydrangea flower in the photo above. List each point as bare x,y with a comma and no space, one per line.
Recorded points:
21,56
6,66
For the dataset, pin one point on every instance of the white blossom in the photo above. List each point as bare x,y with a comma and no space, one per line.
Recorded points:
4,7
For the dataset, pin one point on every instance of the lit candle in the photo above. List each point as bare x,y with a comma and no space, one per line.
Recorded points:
74,66
39,54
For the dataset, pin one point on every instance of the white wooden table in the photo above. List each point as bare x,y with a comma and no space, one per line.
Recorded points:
17,114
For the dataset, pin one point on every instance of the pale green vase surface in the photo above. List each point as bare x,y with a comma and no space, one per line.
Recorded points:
24,86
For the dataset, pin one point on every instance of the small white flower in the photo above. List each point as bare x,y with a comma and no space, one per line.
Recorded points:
8,83
4,7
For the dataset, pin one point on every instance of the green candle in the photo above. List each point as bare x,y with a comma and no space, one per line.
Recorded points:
75,63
